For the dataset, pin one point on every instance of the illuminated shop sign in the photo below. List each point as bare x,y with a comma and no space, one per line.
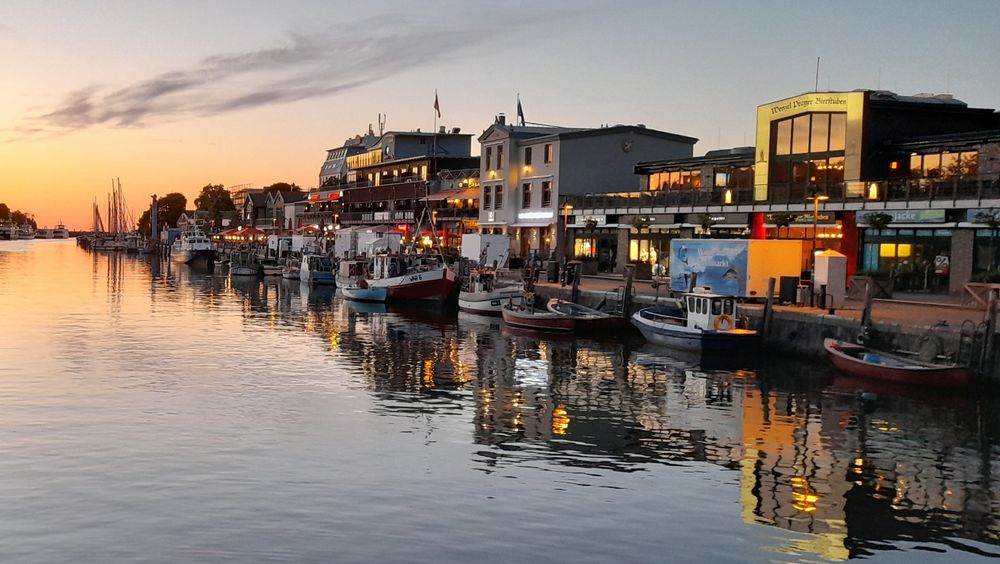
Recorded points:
907,216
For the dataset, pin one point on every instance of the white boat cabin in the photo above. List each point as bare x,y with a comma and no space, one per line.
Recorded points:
391,266
709,311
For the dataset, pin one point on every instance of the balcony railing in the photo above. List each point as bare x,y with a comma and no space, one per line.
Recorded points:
377,217
924,191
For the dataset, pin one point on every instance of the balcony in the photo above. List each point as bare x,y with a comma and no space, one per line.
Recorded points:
894,193
377,217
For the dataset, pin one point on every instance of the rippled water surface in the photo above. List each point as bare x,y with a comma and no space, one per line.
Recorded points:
150,413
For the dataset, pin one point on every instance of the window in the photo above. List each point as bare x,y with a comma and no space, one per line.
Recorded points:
526,195
548,153
527,156
809,150
498,199
487,192
499,156
546,193
489,157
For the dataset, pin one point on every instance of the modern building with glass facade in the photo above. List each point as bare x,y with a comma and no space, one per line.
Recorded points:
829,168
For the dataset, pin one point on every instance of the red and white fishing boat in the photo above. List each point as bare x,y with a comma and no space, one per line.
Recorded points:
858,360
411,277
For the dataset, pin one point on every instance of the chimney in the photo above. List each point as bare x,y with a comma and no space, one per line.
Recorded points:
501,119
442,129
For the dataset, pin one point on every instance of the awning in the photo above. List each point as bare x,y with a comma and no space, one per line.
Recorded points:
464,194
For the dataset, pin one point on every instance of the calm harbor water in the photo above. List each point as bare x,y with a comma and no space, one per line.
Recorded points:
151,413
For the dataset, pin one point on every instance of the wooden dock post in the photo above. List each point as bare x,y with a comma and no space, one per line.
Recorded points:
768,309
989,354
866,315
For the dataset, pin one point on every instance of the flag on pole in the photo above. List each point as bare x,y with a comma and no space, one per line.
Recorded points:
520,112
437,107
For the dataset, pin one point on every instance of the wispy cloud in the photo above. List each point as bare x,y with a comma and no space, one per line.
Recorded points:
305,66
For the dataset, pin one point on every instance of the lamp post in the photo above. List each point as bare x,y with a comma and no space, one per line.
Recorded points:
816,199
567,207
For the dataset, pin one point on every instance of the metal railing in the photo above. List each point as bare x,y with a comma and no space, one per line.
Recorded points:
879,191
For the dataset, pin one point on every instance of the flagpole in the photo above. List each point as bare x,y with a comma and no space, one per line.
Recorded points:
437,109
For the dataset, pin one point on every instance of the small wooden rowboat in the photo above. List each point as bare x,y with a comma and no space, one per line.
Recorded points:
858,360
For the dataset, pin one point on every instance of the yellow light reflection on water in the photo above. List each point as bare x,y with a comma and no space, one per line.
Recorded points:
560,420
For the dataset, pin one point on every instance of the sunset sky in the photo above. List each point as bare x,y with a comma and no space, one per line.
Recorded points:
170,96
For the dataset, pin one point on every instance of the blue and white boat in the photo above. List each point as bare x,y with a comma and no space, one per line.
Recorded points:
317,269
700,321
351,275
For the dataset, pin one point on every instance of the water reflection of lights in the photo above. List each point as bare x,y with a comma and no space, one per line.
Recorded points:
334,340
530,372
560,420
428,373
804,498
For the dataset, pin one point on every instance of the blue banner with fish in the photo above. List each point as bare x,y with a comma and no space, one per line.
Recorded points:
721,264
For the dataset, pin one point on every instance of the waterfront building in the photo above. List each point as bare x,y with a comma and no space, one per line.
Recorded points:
527,172
334,170
286,208
824,165
401,174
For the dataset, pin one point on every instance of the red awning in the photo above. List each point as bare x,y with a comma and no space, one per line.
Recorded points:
464,194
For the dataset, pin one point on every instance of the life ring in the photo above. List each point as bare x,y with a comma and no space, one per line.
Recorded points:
724,320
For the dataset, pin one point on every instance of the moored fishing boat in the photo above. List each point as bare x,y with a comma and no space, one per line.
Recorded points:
244,262
316,269
411,277
529,318
561,315
290,270
858,360
351,274
700,321
193,246
481,294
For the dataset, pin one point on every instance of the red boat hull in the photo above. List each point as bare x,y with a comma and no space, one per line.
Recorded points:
543,321
436,290
918,374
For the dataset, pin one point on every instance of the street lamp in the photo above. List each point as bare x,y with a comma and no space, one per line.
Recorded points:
816,199
567,207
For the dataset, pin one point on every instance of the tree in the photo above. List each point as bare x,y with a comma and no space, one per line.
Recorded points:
782,219
4,212
991,218
706,224
878,220
169,209
283,187
19,217
214,198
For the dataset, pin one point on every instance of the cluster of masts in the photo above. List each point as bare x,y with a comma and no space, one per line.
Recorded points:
120,218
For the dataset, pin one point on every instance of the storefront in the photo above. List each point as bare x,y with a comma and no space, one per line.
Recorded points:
914,248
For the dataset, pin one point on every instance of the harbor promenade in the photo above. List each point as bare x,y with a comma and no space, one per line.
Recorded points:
918,310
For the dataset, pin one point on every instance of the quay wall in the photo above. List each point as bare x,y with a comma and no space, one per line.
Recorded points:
799,333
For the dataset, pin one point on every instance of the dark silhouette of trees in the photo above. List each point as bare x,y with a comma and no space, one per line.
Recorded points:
214,198
170,208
